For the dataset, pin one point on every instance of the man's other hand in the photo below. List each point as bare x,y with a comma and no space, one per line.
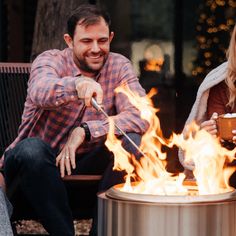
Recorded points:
2,182
66,159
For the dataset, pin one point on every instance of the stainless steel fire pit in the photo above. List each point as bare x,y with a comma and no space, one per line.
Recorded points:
128,214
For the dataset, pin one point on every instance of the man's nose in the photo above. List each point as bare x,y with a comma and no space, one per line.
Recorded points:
95,47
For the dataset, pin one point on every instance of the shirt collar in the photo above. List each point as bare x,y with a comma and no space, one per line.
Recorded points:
74,69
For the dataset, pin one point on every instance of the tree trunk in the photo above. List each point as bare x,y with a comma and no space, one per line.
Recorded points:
50,24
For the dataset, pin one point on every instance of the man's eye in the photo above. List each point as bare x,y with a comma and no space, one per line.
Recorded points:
86,41
103,40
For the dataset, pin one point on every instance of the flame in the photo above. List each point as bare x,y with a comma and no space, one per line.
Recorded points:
150,174
209,158
154,64
121,156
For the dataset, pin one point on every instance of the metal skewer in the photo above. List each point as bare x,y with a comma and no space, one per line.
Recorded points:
100,109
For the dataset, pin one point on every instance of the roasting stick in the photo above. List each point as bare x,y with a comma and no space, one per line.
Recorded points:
100,109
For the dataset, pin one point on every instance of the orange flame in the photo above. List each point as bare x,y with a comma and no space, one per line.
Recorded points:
150,173
154,64
209,158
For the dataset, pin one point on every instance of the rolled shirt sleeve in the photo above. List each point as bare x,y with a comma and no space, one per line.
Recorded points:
127,116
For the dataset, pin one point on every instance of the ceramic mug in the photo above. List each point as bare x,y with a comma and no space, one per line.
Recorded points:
225,125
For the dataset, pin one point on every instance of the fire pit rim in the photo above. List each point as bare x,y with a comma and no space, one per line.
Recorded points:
116,194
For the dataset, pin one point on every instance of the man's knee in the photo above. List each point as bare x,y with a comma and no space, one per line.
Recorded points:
32,152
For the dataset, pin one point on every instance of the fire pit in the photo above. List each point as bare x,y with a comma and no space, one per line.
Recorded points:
129,214
160,203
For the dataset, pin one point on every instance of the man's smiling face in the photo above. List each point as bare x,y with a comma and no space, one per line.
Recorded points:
91,46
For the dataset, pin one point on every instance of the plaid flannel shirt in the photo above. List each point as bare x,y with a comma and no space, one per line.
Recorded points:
52,109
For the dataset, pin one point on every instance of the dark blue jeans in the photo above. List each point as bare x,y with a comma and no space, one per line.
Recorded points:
30,167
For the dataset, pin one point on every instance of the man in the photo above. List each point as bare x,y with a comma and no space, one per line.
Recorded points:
61,133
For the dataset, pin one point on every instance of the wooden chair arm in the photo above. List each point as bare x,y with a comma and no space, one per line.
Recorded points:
82,178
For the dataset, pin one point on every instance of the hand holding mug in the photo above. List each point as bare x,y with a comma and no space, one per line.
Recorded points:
210,125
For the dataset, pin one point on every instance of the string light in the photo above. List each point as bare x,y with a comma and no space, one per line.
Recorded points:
216,21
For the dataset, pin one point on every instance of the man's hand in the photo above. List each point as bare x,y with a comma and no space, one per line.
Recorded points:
66,158
2,182
210,125
87,88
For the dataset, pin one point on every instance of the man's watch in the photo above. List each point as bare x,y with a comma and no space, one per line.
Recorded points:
86,130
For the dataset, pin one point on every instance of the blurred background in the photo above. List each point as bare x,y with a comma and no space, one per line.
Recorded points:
172,44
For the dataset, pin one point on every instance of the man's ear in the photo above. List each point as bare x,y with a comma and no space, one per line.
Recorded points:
111,36
68,40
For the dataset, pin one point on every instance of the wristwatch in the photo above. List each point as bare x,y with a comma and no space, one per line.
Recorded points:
86,130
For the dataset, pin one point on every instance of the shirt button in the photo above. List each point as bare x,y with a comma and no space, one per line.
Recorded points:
96,133
57,103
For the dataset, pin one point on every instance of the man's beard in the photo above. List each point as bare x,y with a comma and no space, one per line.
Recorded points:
84,66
